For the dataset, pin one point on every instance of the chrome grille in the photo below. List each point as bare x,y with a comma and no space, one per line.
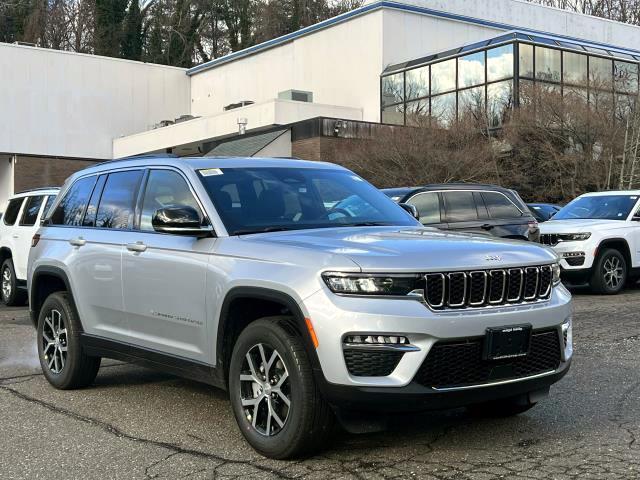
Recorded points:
479,288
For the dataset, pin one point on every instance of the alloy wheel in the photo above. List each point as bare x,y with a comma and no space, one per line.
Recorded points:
54,341
613,272
6,283
265,389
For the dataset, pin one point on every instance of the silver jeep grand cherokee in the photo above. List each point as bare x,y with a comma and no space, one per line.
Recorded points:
297,286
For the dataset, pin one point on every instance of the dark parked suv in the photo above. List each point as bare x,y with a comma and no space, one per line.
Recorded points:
470,207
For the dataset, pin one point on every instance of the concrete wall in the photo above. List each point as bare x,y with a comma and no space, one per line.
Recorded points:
70,105
340,65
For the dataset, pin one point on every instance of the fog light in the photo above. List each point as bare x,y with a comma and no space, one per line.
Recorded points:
567,337
572,254
376,340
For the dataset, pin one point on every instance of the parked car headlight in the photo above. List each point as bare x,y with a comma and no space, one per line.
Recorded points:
362,284
574,237
555,269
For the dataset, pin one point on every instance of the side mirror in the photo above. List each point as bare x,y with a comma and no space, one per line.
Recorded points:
411,210
180,220
635,218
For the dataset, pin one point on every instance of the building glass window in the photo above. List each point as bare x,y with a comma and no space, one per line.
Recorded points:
393,89
600,73
417,83
625,77
443,76
500,63
548,64
574,68
624,106
393,115
471,70
601,101
526,60
443,109
499,102
418,112
574,94
471,102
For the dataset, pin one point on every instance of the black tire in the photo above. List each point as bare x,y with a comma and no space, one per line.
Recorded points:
601,282
76,369
309,420
11,295
507,407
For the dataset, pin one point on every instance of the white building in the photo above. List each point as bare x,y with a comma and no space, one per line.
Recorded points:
389,61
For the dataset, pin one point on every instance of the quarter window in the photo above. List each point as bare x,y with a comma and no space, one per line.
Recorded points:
165,189
428,206
71,208
13,209
500,206
118,199
31,210
460,206
92,208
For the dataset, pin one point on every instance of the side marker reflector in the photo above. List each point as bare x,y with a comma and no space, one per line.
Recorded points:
312,332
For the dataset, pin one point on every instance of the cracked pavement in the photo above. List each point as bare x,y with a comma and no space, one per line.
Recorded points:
137,423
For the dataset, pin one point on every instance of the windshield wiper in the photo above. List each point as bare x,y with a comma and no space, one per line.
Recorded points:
364,224
248,231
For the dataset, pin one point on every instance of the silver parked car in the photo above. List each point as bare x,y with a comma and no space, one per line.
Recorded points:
297,286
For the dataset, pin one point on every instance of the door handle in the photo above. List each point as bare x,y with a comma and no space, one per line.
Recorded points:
77,242
486,226
15,236
136,247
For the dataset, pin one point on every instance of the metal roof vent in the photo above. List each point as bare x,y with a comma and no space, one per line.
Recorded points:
296,95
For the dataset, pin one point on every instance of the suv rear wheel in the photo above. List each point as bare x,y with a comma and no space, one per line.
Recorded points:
609,272
275,400
63,362
11,294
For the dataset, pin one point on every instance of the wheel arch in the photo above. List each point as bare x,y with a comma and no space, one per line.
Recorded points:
5,252
45,281
619,244
244,305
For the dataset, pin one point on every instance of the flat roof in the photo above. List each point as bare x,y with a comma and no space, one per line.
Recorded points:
389,4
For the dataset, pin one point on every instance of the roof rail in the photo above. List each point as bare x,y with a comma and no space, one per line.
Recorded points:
136,157
38,189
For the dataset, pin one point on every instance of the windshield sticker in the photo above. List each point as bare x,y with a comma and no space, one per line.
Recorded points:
209,172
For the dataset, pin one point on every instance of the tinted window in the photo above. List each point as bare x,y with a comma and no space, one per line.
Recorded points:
500,206
460,206
47,206
92,208
392,89
71,208
165,189
118,200
31,210
428,206
13,209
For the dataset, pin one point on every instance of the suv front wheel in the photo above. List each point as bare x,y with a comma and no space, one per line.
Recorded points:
275,400
609,272
63,361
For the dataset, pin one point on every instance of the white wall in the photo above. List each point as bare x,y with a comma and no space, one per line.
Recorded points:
340,65
64,104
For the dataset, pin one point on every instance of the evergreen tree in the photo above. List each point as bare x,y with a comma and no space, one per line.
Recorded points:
132,33
109,16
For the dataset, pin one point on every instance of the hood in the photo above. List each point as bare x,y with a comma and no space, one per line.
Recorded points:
579,225
401,249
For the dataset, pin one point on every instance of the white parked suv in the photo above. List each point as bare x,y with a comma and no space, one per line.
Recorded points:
298,287
597,237
20,221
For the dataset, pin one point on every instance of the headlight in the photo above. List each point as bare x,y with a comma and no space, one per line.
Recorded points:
555,268
362,284
574,237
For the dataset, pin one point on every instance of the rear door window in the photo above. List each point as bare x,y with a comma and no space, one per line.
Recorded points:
11,215
47,206
460,206
428,205
118,199
31,210
71,208
500,206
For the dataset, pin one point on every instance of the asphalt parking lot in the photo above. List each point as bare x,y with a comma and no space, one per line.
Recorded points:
137,423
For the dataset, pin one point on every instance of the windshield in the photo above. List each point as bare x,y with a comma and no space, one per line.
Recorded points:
607,207
263,199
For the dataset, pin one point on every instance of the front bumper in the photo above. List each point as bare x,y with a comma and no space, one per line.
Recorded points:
575,256
336,317
415,397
